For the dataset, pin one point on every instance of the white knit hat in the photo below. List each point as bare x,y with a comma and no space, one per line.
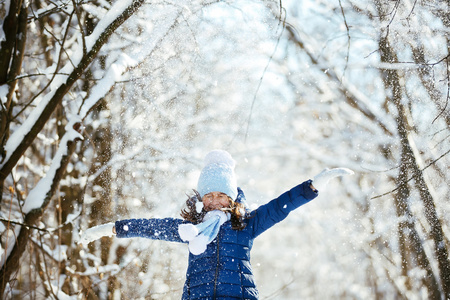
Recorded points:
218,174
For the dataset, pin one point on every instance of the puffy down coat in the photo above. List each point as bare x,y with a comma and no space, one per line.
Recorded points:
223,271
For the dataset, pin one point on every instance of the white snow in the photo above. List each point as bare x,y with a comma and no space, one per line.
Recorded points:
6,5
61,295
59,253
124,62
113,74
18,135
97,269
9,237
115,11
38,194
301,123
3,92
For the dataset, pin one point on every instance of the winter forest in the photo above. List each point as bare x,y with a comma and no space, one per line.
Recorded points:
108,108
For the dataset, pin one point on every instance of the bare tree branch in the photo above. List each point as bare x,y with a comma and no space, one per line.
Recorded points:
12,261
58,95
351,98
412,177
348,36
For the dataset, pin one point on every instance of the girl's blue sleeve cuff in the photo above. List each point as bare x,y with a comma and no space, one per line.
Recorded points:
307,191
122,228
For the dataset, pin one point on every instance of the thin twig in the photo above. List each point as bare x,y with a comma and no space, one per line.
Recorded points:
394,10
3,263
56,68
348,38
412,177
47,286
264,72
22,224
32,75
83,38
448,90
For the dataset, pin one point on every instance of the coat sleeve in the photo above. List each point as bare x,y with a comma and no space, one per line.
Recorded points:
278,209
156,229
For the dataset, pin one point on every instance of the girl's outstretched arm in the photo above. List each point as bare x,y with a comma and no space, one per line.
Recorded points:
278,209
156,229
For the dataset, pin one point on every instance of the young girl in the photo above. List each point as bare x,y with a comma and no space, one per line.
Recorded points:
220,229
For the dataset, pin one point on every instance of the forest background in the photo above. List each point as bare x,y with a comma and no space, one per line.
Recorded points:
108,107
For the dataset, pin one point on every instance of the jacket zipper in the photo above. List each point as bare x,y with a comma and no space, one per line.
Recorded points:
217,268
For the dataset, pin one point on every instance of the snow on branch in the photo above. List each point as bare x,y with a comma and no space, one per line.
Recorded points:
113,269
126,62
114,14
37,196
23,137
102,87
41,194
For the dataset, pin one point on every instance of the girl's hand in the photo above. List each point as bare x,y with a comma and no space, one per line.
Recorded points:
320,180
96,232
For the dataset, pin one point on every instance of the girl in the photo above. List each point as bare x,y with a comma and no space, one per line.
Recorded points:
220,229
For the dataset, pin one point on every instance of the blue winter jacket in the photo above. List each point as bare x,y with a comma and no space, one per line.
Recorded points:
223,271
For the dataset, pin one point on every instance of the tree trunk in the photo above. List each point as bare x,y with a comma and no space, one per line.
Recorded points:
12,263
409,163
12,51
101,209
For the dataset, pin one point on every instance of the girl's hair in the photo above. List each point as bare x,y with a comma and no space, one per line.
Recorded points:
237,211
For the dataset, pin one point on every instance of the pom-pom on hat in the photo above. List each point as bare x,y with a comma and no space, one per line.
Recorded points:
218,174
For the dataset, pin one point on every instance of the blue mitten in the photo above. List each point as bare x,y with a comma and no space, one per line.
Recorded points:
321,180
200,235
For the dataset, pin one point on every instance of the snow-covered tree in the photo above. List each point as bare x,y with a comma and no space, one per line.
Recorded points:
107,114
381,69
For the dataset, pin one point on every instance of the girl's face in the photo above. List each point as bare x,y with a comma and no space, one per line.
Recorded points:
215,200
